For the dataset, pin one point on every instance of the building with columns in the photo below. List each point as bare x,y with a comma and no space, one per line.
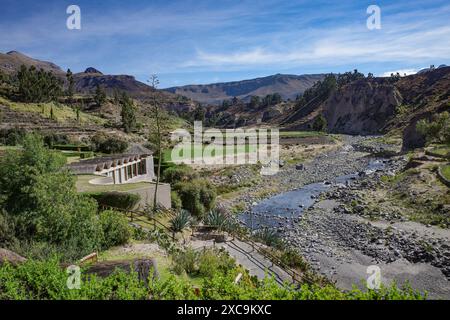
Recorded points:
136,165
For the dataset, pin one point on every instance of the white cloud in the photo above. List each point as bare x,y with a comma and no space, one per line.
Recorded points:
402,72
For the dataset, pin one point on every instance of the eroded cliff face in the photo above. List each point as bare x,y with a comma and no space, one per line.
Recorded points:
362,107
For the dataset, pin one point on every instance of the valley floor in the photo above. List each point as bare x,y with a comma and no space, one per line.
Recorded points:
349,227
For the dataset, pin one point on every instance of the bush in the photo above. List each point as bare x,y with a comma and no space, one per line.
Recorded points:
269,237
116,230
179,173
185,261
217,218
181,221
107,144
197,196
12,137
41,200
55,139
320,123
46,280
115,199
213,261
176,201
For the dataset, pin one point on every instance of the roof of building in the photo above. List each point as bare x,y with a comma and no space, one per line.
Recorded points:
133,153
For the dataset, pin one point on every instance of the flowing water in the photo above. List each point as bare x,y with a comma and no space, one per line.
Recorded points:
285,206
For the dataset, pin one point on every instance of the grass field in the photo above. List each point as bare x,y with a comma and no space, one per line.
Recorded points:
446,171
61,113
442,150
197,151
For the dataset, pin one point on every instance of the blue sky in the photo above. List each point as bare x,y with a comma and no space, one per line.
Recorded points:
205,41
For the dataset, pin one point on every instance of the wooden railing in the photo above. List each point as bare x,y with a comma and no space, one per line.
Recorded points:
136,215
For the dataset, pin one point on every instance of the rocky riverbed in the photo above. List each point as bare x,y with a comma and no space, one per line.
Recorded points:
340,243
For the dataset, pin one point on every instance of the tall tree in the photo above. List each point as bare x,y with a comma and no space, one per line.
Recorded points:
100,95
71,84
160,125
128,113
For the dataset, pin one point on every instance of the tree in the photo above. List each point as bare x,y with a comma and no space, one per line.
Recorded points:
128,113
100,95
436,130
71,84
320,123
37,85
157,115
254,102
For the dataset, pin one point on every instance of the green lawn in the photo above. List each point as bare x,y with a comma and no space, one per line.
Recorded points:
83,185
442,150
446,171
197,151
61,112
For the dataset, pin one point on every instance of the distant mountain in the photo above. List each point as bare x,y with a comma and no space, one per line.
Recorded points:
85,82
11,62
288,86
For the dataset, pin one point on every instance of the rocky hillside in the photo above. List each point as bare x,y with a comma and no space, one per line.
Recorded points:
86,82
365,106
10,63
288,86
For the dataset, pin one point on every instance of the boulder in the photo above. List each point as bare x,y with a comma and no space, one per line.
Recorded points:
10,257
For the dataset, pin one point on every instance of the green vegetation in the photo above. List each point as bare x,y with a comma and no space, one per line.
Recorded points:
40,280
104,143
436,130
41,208
199,151
120,200
61,112
180,221
217,218
197,196
37,85
179,173
100,95
116,230
320,123
446,171
127,113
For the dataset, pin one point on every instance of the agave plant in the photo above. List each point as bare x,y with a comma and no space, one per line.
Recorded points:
180,221
217,218
269,236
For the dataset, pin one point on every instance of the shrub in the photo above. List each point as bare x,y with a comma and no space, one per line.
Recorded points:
12,137
185,261
217,218
176,201
179,173
269,236
43,280
196,196
180,221
108,144
41,200
320,123
116,230
115,199
213,261
55,139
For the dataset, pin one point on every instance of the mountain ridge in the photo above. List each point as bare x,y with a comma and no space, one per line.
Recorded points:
289,86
